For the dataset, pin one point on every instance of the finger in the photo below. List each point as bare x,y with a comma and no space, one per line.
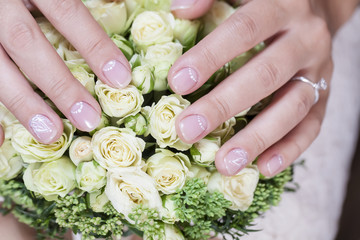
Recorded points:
283,153
29,5
2,136
23,40
243,29
25,104
260,77
290,105
106,60
190,9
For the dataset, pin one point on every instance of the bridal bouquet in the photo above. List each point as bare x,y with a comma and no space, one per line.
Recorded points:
132,174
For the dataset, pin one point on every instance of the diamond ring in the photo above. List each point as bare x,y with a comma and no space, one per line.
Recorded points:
321,85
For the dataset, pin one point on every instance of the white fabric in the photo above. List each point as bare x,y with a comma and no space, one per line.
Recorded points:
313,212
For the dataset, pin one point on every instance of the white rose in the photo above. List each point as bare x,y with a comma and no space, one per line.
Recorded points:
111,15
224,130
143,78
11,163
7,121
238,189
115,148
162,121
150,28
199,172
97,200
219,12
161,57
203,152
52,35
168,169
80,150
186,32
68,53
119,103
128,187
90,176
85,78
51,179
33,151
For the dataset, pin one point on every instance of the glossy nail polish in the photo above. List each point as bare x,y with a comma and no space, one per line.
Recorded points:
117,74
43,128
274,164
182,4
85,116
192,127
184,80
235,160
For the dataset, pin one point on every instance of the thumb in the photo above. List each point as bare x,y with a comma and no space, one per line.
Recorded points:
190,9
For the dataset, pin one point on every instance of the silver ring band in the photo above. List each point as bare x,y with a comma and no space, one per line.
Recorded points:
321,85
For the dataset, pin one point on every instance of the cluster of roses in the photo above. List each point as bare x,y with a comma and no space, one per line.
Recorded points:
111,157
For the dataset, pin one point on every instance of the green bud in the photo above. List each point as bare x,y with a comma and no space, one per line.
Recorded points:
124,45
137,123
143,78
85,78
185,31
90,176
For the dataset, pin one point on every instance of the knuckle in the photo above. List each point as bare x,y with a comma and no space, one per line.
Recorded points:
210,58
244,28
95,46
62,10
16,102
259,140
21,36
59,89
268,74
303,103
222,107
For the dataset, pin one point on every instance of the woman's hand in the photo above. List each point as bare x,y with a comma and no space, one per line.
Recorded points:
23,45
299,44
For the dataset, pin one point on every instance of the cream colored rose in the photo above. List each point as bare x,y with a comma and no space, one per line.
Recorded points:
7,121
80,150
168,169
51,179
143,78
119,103
11,163
162,121
196,171
161,57
90,176
203,152
150,28
127,188
186,32
85,78
68,53
52,35
225,131
238,189
97,200
169,210
111,15
33,151
219,12
115,148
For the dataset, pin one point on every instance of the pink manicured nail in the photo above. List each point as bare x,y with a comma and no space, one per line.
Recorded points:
117,74
86,117
235,160
182,4
192,127
274,164
184,80
44,128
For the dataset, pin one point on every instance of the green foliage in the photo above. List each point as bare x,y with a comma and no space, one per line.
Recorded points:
197,208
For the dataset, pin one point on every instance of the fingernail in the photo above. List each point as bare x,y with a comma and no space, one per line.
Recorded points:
44,128
182,4
235,160
184,80
192,127
86,117
274,164
117,74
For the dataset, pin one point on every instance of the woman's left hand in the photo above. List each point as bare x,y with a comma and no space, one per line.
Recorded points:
299,44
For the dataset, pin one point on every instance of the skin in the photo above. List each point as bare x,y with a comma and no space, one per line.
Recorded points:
301,33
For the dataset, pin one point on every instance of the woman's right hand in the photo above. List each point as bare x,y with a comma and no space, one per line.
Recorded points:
23,46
